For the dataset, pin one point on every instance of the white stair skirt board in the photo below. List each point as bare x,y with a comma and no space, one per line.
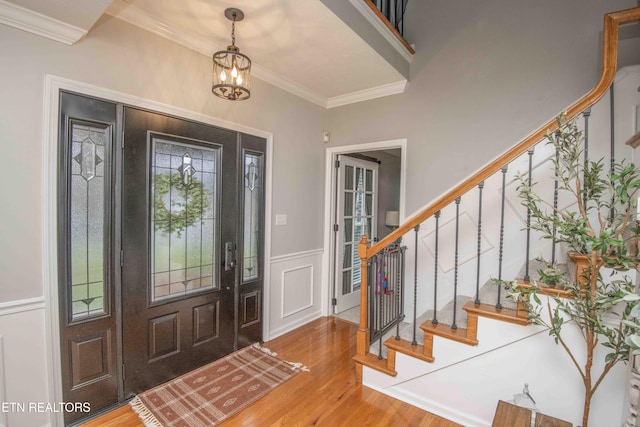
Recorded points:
465,383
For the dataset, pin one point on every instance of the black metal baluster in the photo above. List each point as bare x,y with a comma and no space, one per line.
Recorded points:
415,284
400,296
435,273
613,131
555,212
455,273
480,187
529,180
380,293
613,146
586,115
371,285
500,252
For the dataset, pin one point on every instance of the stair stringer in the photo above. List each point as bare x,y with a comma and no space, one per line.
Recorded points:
465,383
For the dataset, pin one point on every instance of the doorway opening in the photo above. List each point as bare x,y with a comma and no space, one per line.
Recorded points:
364,188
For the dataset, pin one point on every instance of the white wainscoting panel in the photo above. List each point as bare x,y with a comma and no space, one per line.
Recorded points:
3,385
23,362
295,291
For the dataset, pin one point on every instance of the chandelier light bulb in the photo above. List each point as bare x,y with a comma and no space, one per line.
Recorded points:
239,80
234,72
223,76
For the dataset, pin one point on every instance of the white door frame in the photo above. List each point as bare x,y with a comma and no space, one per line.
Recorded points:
52,87
330,175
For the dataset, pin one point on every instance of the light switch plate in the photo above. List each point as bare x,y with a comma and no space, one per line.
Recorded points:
281,219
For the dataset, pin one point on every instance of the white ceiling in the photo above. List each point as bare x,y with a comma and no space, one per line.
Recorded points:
298,45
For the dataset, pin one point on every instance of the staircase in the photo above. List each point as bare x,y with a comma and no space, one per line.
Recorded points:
459,363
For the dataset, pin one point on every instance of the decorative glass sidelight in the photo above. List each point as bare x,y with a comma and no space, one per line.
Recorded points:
87,220
252,208
183,229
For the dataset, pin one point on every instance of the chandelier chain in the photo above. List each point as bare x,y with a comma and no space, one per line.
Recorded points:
233,30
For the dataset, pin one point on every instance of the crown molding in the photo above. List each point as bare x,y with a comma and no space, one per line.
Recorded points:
367,94
287,85
139,18
135,16
38,24
382,29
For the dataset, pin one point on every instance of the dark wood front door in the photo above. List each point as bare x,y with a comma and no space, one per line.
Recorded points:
161,237
179,241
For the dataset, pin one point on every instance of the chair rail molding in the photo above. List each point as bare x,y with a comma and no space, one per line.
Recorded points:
22,305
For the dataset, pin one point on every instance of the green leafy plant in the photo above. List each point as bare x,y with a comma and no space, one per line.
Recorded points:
183,211
601,225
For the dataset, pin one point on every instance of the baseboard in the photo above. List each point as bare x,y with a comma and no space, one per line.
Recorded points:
294,325
444,411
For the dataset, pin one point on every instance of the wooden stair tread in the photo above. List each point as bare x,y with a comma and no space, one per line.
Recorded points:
443,330
554,291
405,347
370,360
504,314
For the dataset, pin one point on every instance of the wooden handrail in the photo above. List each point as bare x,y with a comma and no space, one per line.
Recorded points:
610,62
612,22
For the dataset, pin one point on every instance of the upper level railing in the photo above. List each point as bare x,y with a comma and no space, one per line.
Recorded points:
393,10
391,13
612,21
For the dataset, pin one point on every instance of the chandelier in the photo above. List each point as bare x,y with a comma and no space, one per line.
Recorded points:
231,69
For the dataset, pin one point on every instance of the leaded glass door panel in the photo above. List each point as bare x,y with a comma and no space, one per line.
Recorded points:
357,183
86,236
180,224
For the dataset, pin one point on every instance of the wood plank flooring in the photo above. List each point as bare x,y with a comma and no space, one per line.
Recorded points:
328,395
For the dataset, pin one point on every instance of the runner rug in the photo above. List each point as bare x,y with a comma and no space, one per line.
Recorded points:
210,394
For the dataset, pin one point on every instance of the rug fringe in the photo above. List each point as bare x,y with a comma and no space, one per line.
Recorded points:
145,414
294,365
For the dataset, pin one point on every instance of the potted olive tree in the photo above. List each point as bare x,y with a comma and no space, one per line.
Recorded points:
600,227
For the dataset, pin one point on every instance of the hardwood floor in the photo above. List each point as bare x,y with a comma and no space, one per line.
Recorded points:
328,395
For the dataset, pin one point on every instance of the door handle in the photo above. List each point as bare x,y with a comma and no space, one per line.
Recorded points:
229,256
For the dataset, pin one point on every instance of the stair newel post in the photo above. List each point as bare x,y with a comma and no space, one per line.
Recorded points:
501,247
527,278
479,249
362,337
414,342
455,271
435,272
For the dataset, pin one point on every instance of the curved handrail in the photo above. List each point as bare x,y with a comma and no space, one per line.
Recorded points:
612,22
610,63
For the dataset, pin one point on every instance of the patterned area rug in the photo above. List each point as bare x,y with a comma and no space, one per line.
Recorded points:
210,394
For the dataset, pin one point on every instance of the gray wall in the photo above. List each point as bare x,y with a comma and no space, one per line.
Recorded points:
485,75
388,187
118,56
